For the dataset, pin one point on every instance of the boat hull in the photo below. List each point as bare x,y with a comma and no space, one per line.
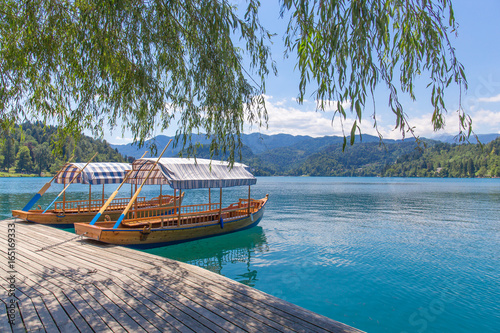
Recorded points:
143,238
68,219
61,219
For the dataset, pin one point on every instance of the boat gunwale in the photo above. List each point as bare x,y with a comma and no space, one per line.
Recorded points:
67,219
192,225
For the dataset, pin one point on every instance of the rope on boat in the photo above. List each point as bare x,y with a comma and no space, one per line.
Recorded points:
63,242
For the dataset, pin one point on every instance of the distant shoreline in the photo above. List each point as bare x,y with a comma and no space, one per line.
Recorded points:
20,175
14,175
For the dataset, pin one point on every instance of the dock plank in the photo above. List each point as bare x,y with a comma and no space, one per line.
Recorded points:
30,317
280,312
43,313
131,306
59,315
4,319
69,284
215,310
155,278
74,267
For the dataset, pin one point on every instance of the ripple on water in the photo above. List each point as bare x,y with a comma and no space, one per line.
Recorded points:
383,255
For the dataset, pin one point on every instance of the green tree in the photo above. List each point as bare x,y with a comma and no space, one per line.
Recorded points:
146,63
9,154
23,160
471,170
496,172
42,157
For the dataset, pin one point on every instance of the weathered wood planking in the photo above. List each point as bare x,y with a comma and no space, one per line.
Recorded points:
89,286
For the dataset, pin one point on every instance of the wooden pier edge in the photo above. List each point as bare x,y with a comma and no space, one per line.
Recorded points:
63,283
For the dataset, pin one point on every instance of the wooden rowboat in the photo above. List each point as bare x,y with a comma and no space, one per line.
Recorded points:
169,229
70,212
65,213
161,226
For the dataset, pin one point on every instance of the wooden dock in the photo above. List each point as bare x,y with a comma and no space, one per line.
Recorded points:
85,286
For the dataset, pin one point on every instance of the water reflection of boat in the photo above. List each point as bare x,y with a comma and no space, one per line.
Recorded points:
214,255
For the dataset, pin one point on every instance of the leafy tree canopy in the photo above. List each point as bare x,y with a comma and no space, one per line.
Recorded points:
148,64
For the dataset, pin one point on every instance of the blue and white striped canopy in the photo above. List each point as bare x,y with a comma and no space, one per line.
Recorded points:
94,173
185,173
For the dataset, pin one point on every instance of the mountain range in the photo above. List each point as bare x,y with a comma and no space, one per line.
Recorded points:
261,143
285,154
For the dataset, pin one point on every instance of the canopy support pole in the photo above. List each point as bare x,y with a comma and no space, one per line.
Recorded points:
102,194
175,202
161,186
179,216
220,209
64,196
248,200
209,199
90,198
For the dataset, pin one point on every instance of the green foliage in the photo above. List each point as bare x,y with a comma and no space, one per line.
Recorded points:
30,150
449,160
393,159
23,160
145,64
8,153
360,159
348,48
142,63
41,156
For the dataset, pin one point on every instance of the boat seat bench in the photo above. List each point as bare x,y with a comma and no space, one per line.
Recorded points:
189,218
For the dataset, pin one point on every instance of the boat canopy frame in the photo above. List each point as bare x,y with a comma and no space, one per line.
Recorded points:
185,173
94,174
188,173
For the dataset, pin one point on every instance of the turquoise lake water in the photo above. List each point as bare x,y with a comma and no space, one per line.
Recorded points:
380,254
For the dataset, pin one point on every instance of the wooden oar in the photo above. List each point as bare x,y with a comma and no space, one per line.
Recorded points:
72,180
103,208
45,187
125,211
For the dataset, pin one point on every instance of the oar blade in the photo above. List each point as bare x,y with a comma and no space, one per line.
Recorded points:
37,196
32,202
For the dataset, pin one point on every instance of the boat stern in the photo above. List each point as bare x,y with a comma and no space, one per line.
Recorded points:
20,214
87,230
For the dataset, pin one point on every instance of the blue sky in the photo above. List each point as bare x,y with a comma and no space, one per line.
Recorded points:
477,47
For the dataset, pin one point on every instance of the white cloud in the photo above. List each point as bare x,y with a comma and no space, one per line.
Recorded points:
486,121
332,105
119,140
483,122
492,99
291,118
423,125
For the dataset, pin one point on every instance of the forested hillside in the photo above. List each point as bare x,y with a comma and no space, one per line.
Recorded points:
449,160
30,150
392,159
361,159
321,157
286,155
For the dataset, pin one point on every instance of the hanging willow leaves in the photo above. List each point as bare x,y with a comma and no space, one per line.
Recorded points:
145,64
200,65
348,48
